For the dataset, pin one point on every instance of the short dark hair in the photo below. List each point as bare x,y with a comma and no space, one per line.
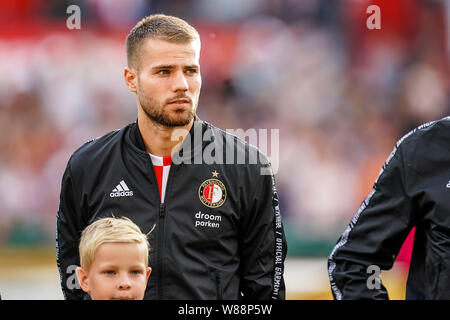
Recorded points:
157,26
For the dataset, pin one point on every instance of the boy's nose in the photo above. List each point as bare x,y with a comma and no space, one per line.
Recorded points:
124,282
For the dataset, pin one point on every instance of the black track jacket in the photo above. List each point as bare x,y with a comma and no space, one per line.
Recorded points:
412,190
229,247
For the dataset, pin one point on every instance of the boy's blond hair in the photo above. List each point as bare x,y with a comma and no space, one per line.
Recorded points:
109,230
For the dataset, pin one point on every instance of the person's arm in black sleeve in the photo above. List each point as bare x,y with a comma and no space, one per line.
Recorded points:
67,238
263,243
374,235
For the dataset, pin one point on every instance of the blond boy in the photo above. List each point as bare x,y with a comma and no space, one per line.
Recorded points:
114,260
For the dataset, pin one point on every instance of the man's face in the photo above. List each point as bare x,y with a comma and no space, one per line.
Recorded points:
118,272
169,81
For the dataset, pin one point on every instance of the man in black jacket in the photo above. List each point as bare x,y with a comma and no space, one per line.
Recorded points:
207,199
412,190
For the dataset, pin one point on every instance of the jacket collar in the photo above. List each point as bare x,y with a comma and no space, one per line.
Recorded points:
191,147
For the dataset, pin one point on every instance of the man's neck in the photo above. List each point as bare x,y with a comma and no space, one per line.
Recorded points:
160,140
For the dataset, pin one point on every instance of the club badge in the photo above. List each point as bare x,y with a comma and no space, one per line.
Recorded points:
212,193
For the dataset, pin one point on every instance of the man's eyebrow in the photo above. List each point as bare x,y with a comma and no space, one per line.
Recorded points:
164,67
193,66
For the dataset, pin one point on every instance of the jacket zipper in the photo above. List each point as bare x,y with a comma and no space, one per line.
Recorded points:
161,231
219,286
162,213
160,235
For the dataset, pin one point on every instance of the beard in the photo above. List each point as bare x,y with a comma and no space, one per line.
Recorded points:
156,111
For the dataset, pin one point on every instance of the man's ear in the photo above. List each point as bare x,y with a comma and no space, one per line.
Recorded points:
130,76
83,280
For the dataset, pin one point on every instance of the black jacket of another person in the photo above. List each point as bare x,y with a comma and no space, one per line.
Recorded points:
412,190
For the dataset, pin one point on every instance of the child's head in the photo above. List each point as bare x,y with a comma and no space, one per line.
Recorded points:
114,260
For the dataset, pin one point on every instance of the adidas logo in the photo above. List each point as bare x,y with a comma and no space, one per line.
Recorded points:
121,190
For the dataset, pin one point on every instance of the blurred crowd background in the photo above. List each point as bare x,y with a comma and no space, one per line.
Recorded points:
340,94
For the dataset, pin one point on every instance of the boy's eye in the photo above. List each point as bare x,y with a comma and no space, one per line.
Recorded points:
136,272
109,272
163,71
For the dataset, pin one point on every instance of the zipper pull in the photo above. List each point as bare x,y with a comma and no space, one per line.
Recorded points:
162,210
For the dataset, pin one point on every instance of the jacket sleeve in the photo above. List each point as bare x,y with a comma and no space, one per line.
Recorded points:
263,244
372,240
68,231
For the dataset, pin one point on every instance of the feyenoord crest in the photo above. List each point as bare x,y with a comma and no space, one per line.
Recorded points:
212,193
